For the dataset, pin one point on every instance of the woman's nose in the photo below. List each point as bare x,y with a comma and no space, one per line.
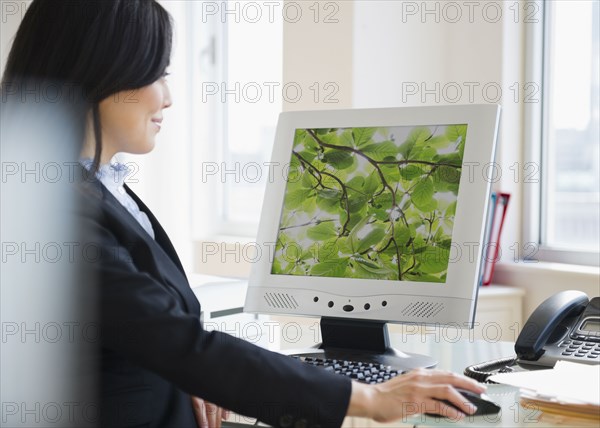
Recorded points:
167,101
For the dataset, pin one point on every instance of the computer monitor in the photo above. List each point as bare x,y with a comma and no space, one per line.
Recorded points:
378,217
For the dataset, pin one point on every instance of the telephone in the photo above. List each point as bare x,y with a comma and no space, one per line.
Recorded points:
565,326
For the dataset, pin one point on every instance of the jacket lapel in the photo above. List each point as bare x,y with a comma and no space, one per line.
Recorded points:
160,235
162,248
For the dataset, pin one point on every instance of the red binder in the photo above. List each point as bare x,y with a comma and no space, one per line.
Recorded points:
492,250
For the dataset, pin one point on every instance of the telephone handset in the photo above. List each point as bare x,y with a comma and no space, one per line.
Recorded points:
565,326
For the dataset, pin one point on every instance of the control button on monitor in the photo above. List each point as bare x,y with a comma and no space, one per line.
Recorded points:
367,306
348,308
316,299
330,304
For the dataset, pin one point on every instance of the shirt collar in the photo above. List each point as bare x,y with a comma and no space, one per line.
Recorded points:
112,175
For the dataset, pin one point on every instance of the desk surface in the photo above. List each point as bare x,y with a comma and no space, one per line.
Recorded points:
223,297
455,356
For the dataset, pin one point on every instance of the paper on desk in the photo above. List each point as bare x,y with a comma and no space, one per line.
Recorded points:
567,381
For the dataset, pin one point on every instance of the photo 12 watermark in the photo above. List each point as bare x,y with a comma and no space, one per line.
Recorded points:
270,92
12,10
257,172
515,412
255,12
85,252
471,92
54,332
456,12
291,252
291,334
34,172
54,93
49,413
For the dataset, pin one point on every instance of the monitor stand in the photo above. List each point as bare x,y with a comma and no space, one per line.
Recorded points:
366,341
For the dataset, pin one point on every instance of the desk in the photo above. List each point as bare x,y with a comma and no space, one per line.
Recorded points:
222,302
455,357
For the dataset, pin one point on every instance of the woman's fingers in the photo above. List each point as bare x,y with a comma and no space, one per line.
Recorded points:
202,417
225,414
213,414
448,411
424,391
458,381
448,393
442,385
438,377
208,415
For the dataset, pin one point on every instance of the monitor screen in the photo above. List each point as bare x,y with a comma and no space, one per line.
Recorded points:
371,203
378,214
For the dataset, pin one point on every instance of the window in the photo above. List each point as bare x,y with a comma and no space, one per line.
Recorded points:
567,224
236,102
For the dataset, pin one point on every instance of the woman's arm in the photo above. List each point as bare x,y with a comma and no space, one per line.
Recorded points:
143,320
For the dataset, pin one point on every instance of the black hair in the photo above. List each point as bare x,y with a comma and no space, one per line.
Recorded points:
96,48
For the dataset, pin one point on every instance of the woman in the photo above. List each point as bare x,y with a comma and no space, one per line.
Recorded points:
155,357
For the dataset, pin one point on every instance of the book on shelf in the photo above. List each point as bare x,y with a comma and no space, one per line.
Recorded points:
496,215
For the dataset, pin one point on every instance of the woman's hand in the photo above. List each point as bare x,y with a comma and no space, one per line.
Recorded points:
208,415
418,391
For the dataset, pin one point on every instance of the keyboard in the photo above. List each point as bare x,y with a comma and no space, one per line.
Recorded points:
370,373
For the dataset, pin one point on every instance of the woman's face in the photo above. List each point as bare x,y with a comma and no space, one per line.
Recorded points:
131,119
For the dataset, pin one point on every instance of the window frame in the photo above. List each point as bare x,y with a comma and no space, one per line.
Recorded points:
210,64
535,135
205,67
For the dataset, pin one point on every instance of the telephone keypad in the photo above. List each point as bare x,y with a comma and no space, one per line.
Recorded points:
580,349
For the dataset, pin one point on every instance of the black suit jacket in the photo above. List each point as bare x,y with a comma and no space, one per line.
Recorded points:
155,353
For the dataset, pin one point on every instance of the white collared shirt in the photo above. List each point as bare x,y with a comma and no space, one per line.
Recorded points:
112,176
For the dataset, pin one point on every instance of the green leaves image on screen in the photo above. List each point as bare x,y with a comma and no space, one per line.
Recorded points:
372,203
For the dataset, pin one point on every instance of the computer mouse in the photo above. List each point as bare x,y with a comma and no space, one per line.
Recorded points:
485,406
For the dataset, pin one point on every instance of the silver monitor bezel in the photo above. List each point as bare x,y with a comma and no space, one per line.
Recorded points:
296,295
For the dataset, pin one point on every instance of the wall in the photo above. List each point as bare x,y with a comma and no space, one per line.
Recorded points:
318,49
542,280
445,53
400,44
